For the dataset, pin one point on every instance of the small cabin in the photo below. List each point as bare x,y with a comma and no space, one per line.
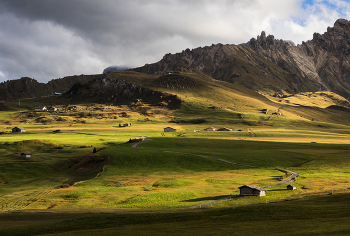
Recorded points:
40,109
210,129
169,129
291,187
265,111
224,129
18,130
52,109
251,190
26,155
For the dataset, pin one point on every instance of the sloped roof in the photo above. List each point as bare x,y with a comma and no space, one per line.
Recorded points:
21,128
253,187
169,128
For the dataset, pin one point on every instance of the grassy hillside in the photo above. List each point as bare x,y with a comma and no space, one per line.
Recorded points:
150,190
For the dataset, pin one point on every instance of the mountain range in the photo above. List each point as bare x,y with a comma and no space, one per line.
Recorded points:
271,65
264,64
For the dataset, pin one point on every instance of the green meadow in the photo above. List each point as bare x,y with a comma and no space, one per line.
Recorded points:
84,177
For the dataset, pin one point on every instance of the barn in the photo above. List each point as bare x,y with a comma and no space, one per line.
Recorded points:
252,190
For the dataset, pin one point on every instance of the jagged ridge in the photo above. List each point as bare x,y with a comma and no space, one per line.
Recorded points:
321,64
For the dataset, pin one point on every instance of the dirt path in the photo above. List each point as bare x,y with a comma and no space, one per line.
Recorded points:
103,170
288,180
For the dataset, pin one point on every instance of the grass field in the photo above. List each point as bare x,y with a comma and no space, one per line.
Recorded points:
66,189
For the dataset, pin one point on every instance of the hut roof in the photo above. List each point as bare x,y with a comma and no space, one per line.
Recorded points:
169,128
253,187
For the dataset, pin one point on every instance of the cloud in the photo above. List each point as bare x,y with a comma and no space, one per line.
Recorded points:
48,39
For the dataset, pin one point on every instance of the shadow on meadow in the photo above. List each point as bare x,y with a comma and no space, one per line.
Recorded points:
206,198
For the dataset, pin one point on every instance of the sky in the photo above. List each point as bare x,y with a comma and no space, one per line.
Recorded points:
50,39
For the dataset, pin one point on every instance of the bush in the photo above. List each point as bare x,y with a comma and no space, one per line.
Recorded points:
64,186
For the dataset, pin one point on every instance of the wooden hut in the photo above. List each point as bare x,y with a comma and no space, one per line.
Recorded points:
252,190
18,130
26,155
224,129
52,109
169,129
210,129
40,108
291,187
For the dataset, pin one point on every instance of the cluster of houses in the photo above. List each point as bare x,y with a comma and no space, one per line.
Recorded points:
265,111
40,108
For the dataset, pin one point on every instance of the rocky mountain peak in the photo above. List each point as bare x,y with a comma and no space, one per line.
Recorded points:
267,42
320,64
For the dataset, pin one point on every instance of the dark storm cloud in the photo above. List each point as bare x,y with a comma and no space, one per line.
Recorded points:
47,39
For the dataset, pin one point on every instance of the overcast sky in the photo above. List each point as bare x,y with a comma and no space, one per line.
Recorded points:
49,39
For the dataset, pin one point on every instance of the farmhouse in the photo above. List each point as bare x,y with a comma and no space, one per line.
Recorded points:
291,187
40,109
26,155
252,190
169,129
52,109
210,129
18,130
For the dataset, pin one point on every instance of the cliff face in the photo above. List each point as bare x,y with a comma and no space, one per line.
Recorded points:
233,63
264,63
324,60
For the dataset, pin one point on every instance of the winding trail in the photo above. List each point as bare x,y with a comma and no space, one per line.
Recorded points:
288,180
98,174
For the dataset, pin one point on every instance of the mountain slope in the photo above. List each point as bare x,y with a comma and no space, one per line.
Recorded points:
30,88
236,64
324,60
270,65
196,96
